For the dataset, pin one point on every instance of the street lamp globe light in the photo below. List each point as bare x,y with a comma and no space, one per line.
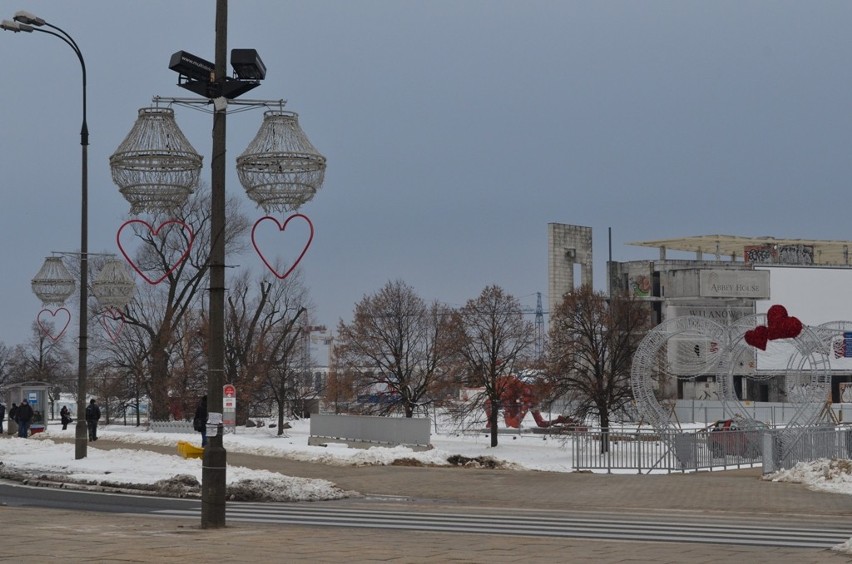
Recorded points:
155,167
280,169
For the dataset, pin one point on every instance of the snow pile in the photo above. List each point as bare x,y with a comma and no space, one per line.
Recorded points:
833,475
171,475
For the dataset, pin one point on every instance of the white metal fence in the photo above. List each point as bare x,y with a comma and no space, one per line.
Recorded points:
682,451
171,426
646,451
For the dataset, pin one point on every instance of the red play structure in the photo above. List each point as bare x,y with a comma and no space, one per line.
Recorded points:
518,397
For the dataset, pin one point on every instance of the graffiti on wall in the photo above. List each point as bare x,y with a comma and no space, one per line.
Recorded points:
796,254
759,253
640,285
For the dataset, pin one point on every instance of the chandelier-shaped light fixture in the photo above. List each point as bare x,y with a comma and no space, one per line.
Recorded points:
155,167
113,286
280,169
53,284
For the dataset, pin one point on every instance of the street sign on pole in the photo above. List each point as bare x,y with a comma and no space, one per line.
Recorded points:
229,408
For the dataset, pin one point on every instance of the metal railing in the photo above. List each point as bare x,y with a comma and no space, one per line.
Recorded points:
646,451
669,451
785,449
171,426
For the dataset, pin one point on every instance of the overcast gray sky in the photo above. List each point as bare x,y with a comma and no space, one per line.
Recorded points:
454,131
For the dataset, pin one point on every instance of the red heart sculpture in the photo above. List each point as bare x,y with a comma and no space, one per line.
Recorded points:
282,228
112,321
154,232
775,313
788,328
46,329
782,326
757,337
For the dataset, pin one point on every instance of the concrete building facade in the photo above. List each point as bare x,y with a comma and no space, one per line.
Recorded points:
567,245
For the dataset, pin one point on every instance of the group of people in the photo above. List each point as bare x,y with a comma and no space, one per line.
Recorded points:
23,417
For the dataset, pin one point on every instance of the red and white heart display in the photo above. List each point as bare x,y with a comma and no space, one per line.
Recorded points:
46,326
779,325
281,229
189,238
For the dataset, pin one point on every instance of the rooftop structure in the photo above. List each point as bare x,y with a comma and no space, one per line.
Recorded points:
757,249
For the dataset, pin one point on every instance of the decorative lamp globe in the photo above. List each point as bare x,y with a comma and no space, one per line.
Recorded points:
53,283
155,167
113,286
280,169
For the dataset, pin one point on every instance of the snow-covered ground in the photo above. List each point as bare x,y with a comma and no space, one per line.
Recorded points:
43,457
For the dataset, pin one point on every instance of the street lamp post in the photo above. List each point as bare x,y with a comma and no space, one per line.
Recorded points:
280,170
213,476
24,21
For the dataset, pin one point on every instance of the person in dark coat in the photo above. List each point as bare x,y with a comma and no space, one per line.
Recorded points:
93,414
65,416
199,422
13,419
25,418
2,416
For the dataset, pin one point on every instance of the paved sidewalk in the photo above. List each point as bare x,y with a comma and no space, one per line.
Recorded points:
46,535
739,495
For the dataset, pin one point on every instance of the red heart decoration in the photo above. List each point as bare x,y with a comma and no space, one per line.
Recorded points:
775,314
46,329
790,328
757,337
154,232
112,321
782,326
282,228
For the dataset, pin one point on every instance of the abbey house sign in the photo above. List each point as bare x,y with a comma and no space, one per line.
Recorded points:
734,284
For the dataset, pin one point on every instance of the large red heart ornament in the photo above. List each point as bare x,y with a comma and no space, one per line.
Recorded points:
775,314
190,237
46,326
281,228
781,325
757,337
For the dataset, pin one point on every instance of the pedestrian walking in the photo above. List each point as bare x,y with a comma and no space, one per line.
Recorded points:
93,414
2,416
199,422
65,416
25,419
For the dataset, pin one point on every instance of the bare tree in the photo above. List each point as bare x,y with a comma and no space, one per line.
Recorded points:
44,359
126,354
339,388
7,363
264,325
159,310
592,339
393,346
492,341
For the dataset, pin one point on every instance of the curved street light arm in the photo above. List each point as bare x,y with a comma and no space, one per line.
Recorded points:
63,35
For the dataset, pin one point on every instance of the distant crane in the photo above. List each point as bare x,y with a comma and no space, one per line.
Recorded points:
539,325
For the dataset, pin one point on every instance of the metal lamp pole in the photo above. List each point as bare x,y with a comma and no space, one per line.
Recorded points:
215,458
24,21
